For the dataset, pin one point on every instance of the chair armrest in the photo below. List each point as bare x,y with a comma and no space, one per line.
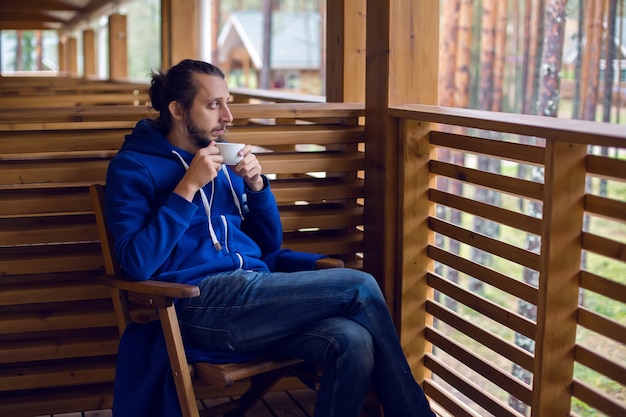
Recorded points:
326,263
151,287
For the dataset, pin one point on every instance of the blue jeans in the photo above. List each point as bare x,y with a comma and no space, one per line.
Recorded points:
335,317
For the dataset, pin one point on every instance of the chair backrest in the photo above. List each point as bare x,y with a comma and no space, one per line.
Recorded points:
111,265
96,193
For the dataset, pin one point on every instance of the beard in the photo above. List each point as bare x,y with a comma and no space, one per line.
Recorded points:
198,136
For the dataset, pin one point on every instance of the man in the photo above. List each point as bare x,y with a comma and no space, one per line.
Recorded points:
178,214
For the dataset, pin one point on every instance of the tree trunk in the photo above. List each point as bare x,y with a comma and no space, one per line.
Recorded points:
551,61
611,54
447,57
579,59
488,46
528,52
500,55
593,51
464,55
266,70
536,51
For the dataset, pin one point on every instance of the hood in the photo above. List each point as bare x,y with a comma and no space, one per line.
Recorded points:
146,139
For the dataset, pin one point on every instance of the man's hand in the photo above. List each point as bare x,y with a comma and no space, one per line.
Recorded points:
249,169
203,169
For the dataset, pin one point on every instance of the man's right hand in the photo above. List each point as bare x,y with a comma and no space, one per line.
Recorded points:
203,169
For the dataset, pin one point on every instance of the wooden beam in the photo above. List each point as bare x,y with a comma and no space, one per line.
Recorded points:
559,282
118,56
72,52
402,36
180,31
89,53
345,46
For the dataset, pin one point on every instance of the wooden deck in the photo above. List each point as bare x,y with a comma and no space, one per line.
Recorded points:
295,403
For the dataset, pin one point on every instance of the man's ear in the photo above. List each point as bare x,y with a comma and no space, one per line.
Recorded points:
175,110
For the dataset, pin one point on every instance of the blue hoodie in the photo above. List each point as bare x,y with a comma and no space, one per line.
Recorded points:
160,235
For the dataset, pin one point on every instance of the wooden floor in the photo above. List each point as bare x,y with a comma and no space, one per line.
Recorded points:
296,403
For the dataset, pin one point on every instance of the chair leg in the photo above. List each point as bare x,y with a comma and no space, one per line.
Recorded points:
259,386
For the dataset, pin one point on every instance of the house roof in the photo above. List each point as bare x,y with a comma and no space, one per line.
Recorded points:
295,39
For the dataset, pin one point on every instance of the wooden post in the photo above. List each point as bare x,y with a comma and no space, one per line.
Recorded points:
62,50
559,281
179,29
345,46
89,53
402,39
118,56
72,54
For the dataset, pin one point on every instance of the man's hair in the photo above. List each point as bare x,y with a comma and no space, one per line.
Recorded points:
177,84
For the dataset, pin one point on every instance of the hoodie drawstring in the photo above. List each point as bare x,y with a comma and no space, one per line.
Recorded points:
208,203
232,191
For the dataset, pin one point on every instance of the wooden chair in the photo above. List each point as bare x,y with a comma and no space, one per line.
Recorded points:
262,373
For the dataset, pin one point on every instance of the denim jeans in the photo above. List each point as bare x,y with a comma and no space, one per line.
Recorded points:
335,317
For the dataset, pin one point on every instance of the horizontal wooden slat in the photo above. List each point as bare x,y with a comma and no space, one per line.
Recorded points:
606,167
603,286
69,290
504,380
47,199
489,147
517,220
468,388
104,342
494,246
316,189
58,374
601,401
57,400
56,316
510,185
444,403
303,162
15,116
602,325
98,138
487,275
318,243
59,100
269,136
74,227
299,217
604,246
601,364
510,351
51,258
52,171
487,308
605,207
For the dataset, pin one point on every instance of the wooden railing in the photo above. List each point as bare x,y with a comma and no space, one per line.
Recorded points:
58,337
36,92
514,252
512,284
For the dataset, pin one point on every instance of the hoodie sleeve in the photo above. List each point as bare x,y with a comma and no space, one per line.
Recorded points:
262,223
144,232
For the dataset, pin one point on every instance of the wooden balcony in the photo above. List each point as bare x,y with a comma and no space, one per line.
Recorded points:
491,324
499,239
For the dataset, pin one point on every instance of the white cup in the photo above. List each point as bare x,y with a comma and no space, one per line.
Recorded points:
230,152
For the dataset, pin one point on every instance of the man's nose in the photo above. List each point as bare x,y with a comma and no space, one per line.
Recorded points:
227,116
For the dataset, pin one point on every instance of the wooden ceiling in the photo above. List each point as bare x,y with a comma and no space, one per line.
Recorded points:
61,15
